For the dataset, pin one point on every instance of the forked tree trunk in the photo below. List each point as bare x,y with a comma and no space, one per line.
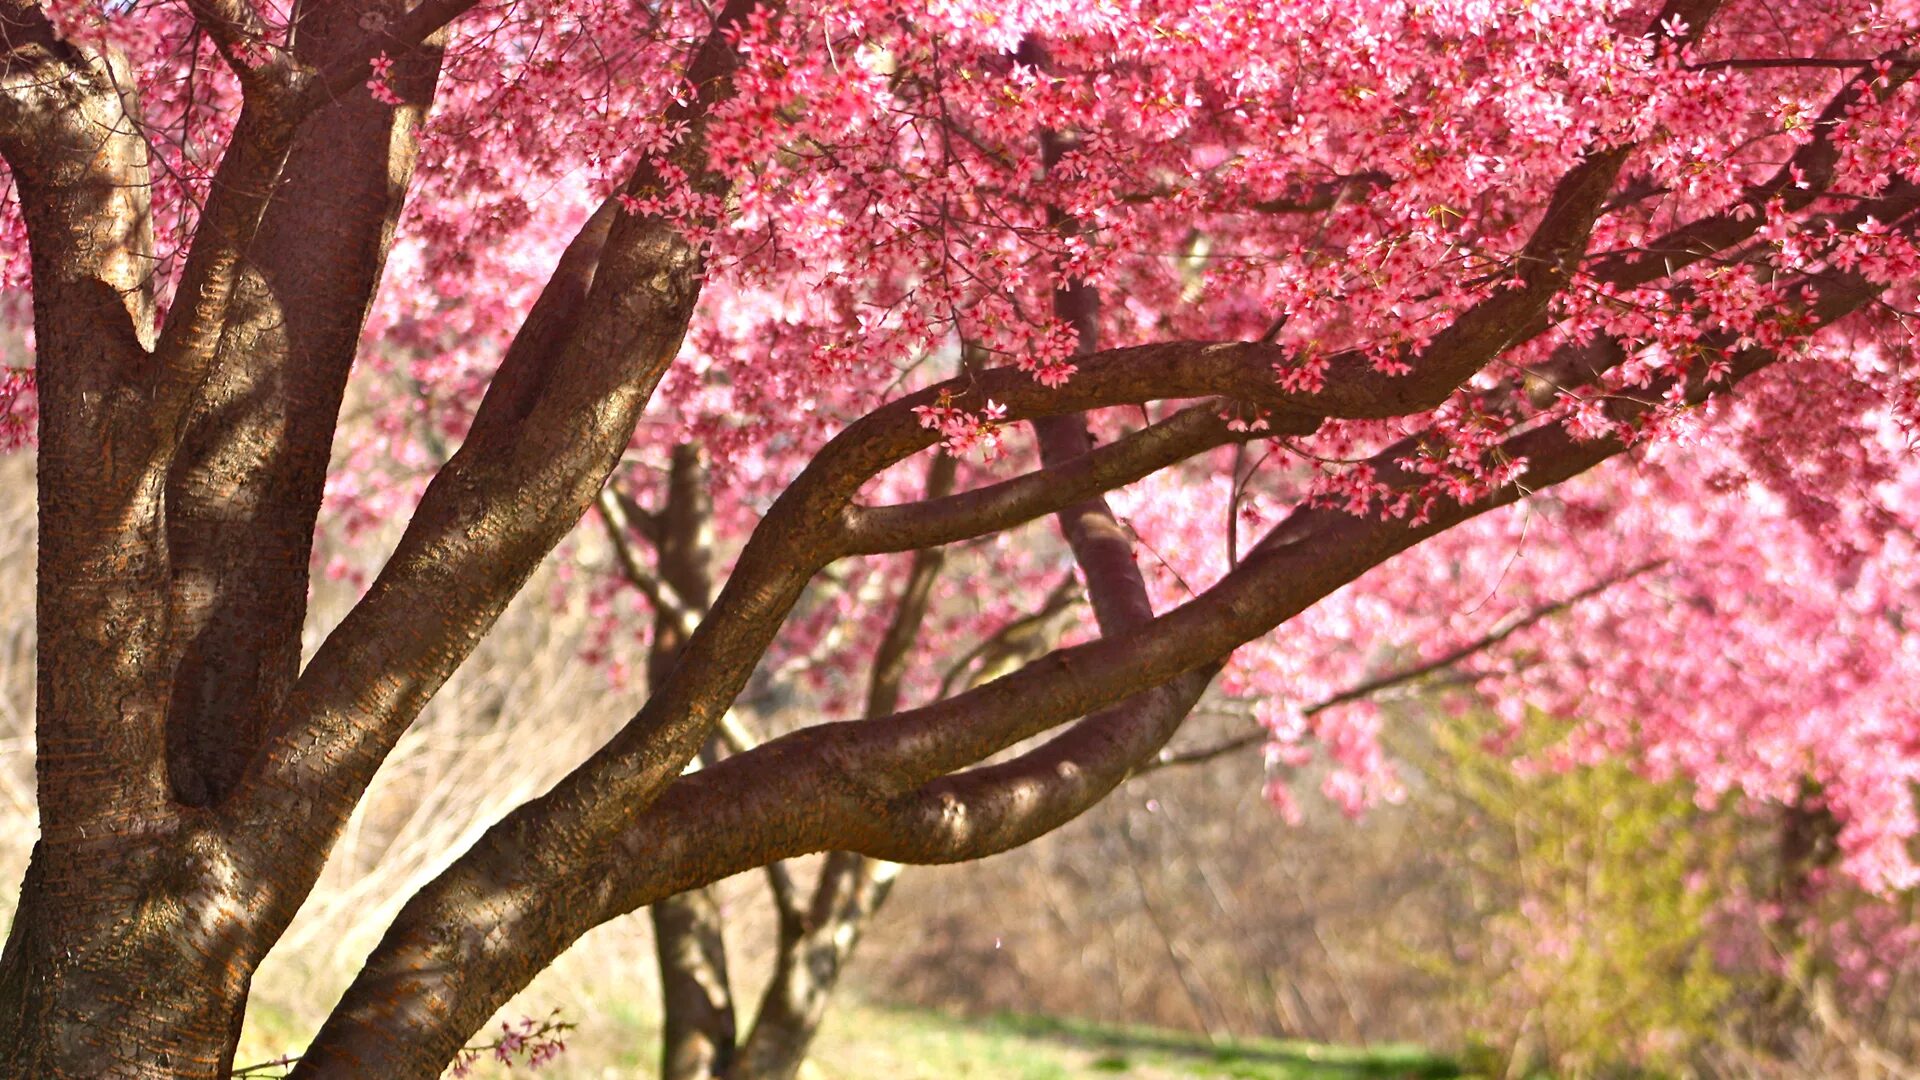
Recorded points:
813,955
172,582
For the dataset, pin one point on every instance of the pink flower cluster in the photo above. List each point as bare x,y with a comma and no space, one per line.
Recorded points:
537,1042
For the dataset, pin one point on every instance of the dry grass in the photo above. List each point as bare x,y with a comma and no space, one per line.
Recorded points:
18,820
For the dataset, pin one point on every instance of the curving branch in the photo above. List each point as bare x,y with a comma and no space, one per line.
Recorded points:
872,764
802,532
853,786
994,808
872,530
989,809
150,443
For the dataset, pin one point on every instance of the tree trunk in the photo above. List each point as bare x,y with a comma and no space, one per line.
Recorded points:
698,1033
141,981
176,499
812,956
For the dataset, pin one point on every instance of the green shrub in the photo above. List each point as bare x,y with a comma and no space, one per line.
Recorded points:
1591,891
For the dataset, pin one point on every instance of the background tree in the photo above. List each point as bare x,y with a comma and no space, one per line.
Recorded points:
1303,289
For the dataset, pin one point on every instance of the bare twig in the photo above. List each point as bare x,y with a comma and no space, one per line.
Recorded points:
661,594
1507,628
1006,641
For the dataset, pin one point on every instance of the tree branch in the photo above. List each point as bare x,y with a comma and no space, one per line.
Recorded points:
799,534
994,808
245,485
903,527
439,974
1018,640
549,430
1806,176
876,761
666,601
985,810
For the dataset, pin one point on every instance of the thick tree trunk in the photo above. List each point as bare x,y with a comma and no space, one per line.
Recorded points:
176,499
127,955
130,981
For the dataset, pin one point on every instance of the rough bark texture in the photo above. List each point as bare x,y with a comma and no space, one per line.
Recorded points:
245,490
180,469
107,894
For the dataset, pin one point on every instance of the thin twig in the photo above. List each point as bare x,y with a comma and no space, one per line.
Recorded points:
1370,687
665,599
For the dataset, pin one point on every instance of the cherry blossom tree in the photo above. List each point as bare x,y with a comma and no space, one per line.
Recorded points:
1561,347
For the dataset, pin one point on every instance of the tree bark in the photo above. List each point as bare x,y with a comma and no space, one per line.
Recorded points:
135,982
244,491
126,956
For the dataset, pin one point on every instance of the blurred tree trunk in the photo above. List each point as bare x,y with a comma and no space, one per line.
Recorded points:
698,1030
696,998
814,951
816,938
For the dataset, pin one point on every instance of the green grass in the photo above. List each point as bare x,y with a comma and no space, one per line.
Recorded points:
865,1042
868,1041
